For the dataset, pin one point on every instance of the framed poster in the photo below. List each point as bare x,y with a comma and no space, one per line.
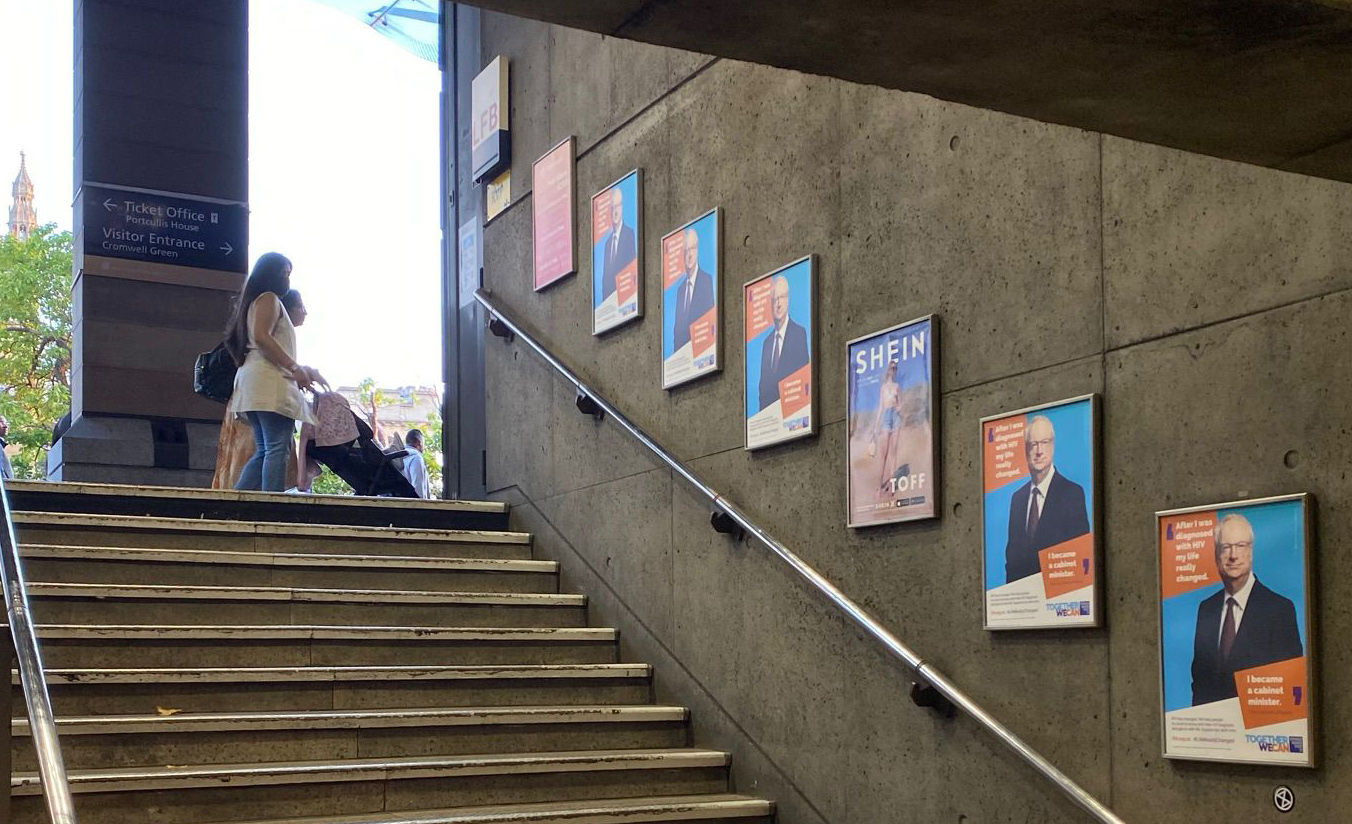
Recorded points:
779,383
892,444
553,178
1039,516
1236,656
692,309
617,265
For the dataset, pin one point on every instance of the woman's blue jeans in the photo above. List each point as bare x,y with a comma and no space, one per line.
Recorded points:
266,470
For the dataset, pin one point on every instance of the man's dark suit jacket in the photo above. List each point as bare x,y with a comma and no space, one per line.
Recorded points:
1063,517
792,357
1267,634
613,262
699,306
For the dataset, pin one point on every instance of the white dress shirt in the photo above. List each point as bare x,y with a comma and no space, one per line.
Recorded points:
415,469
1040,499
1241,601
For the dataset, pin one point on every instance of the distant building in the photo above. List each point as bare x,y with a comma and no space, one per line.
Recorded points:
404,408
23,221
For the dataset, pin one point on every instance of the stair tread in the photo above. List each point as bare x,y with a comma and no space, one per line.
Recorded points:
135,778
37,589
323,631
249,558
293,529
72,675
619,810
300,501
186,722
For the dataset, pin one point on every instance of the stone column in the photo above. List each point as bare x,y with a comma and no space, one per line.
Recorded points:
161,187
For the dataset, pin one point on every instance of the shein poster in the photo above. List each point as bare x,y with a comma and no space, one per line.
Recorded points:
1039,481
891,445
552,220
692,314
1236,664
617,262
780,385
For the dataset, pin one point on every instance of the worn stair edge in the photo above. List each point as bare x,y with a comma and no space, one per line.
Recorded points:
229,495
284,559
605,811
192,722
286,530
373,769
336,674
39,589
320,632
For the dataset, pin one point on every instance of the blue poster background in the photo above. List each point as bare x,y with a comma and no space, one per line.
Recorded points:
1073,424
799,276
706,229
628,186
867,385
1278,561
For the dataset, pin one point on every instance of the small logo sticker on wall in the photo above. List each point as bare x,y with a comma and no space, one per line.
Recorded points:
1283,799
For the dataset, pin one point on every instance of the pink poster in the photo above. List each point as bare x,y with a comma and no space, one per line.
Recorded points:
552,215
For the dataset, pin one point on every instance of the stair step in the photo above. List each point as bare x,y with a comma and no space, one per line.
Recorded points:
687,808
234,675
98,742
195,794
177,502
367,769
224,689
188,722
207,567
147,645
203,533
70,603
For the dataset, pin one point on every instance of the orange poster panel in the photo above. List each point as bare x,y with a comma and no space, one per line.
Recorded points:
703,333
1067,566
1273,693
673,265
626,283
795,391
1002,455
758,312
600,216
1187,553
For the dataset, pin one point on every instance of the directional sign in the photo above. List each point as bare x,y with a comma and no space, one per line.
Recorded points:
165,228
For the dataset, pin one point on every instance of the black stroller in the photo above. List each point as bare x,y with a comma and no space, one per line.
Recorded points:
367,468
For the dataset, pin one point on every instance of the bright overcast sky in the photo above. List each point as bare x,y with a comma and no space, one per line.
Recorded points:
343,165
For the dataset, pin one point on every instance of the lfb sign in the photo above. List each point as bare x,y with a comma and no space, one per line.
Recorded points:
490,137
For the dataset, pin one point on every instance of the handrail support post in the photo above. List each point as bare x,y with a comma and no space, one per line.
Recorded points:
588,406
725,524
925,695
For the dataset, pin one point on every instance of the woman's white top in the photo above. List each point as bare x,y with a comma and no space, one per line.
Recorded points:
260,385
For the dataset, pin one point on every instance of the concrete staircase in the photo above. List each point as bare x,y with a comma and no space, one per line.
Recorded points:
220,656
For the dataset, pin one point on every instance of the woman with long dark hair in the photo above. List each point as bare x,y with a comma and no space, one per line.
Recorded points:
262,340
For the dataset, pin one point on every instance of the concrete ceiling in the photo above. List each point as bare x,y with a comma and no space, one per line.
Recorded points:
1262,81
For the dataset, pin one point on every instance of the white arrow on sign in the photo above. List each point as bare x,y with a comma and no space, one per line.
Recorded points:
227,248
109,204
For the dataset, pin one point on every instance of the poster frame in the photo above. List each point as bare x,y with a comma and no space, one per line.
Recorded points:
572,213
1096,495
932,356
1311,629
814,352
719,315
637,172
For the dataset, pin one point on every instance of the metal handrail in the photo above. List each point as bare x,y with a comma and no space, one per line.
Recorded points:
852,610
41,721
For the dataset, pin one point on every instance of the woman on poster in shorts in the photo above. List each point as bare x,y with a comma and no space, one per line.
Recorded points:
888,423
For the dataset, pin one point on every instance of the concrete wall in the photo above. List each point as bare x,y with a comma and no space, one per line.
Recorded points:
1206,300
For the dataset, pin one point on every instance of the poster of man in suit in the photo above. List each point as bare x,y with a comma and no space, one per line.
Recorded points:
691,311
1040,552
1235,601
617,266
778,357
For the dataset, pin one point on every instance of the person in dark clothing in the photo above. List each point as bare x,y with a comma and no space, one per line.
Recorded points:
1046,511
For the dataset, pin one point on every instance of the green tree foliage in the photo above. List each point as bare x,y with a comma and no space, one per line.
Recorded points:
35,325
